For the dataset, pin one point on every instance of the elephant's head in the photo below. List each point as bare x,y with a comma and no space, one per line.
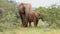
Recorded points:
21,8
24,7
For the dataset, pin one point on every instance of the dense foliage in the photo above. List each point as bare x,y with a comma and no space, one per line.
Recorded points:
8,17
52,14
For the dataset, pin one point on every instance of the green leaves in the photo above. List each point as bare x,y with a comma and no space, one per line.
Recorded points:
51,13
8,17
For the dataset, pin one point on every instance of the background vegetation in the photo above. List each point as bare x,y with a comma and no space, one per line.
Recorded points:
8,19
52,15
9,23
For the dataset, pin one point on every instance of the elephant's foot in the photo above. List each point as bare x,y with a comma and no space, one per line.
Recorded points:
25,25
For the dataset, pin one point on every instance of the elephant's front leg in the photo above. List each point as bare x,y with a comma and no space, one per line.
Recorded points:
29,24
25,20
24,23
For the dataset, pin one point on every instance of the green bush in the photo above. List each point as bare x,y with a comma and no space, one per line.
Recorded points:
52,14
8,19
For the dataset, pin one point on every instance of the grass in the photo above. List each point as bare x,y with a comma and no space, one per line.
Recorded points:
37,31
32,30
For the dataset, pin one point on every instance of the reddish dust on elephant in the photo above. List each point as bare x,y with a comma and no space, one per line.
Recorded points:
33,17
24,8
28,15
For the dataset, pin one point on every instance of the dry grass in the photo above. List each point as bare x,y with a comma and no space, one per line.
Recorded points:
32,30
38,31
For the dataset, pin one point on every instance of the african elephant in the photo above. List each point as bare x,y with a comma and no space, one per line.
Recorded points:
34,16
24,9
28,15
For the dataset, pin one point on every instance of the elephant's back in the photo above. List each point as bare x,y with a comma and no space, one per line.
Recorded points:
32,16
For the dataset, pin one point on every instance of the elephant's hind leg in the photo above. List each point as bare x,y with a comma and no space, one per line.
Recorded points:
36,23
29,24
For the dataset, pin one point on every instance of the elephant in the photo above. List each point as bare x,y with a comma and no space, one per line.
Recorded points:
28,15
24,8
34,16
